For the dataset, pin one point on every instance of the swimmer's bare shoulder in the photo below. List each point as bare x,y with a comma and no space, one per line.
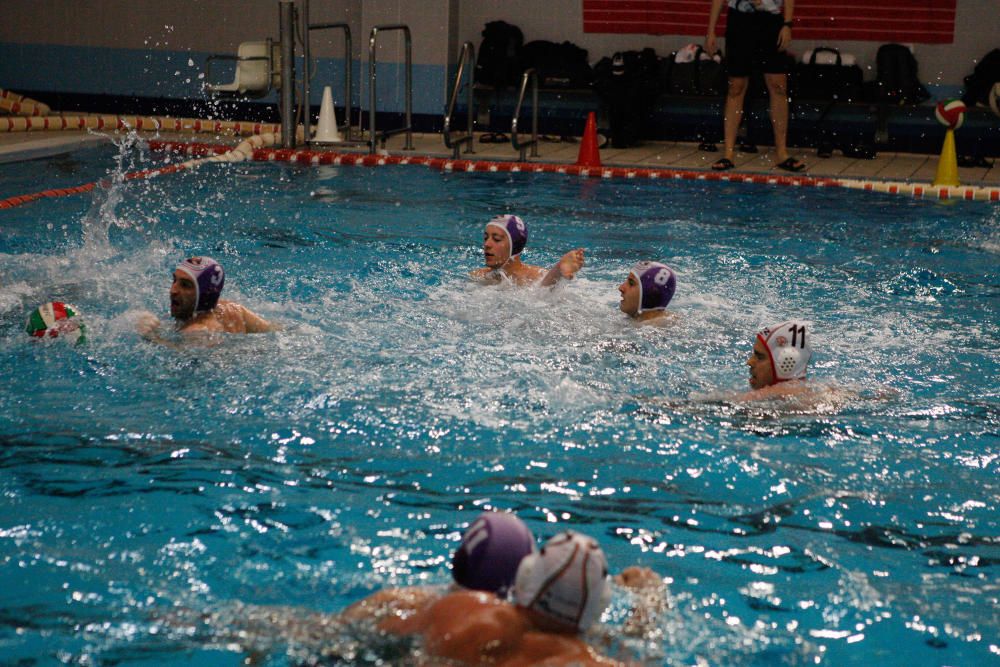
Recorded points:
229,317
401,602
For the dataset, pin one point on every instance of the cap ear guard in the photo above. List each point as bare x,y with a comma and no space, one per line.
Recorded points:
567,581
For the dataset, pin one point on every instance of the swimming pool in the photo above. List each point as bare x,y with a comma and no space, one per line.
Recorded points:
310,467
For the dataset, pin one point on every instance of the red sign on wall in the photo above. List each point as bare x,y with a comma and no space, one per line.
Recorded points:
919,21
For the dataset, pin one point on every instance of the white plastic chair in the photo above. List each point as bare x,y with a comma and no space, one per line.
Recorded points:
253,71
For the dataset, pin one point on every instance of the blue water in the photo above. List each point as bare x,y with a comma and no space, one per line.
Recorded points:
141,486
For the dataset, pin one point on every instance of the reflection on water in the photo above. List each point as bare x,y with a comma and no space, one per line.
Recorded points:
163,504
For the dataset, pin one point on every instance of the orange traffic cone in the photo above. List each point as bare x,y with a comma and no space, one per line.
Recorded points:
589,156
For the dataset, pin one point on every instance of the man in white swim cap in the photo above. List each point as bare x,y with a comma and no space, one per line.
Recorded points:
504,239
196,307
779,359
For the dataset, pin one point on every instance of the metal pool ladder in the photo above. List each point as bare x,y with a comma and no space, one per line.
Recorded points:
532,75
468,55
374,136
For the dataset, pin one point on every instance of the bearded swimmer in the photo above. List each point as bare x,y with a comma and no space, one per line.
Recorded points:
503,240
646,291
778,363
196,307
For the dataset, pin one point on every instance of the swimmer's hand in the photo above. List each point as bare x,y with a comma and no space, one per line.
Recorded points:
565,269
148,325
649,597
638,578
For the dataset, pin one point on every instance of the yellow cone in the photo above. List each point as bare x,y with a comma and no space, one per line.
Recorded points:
947,169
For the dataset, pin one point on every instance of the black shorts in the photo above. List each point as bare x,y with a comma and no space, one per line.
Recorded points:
752,43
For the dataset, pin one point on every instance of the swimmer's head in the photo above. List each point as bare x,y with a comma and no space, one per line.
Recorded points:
649,286
566,582
509,228
198,282
490,553
781,353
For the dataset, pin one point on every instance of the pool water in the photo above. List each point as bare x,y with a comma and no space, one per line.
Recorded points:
141,485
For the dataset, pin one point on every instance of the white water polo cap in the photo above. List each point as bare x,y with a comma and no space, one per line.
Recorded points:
515,229
790,347
657,284
567,581
209,279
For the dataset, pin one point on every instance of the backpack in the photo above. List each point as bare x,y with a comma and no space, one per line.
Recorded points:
978,84
814,81
896,80
628,83
558,65
498,62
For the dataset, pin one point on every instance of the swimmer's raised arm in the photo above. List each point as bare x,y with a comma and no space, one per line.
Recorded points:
567,267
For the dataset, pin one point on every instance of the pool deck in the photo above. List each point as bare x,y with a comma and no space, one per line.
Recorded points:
911,167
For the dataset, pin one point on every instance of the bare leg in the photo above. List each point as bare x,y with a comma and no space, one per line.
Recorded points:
777,92
734,112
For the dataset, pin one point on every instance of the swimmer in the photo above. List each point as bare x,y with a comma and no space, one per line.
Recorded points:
559,593
486,560
196,307
647,290
503,240
778,362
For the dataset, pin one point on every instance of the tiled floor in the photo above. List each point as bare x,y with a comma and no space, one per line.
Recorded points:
16,146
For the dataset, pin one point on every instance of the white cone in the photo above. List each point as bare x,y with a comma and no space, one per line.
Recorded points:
326,128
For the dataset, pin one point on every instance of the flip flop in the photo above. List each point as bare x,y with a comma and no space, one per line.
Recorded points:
708,147
722,164
493,138
745,146
791,164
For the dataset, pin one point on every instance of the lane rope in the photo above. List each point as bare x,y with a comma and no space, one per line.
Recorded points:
259,147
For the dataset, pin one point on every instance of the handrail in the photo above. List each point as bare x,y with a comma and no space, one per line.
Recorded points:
468,54
531,74
408,128
348,69
286,31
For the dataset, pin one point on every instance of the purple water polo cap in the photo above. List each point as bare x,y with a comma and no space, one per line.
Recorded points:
515,229
656,285
491,551
208,278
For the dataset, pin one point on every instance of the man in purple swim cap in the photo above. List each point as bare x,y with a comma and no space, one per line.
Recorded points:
503,240
647,291
196,307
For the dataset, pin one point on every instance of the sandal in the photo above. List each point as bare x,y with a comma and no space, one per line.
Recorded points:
745,146
722,164
493,138
791,164
708,147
